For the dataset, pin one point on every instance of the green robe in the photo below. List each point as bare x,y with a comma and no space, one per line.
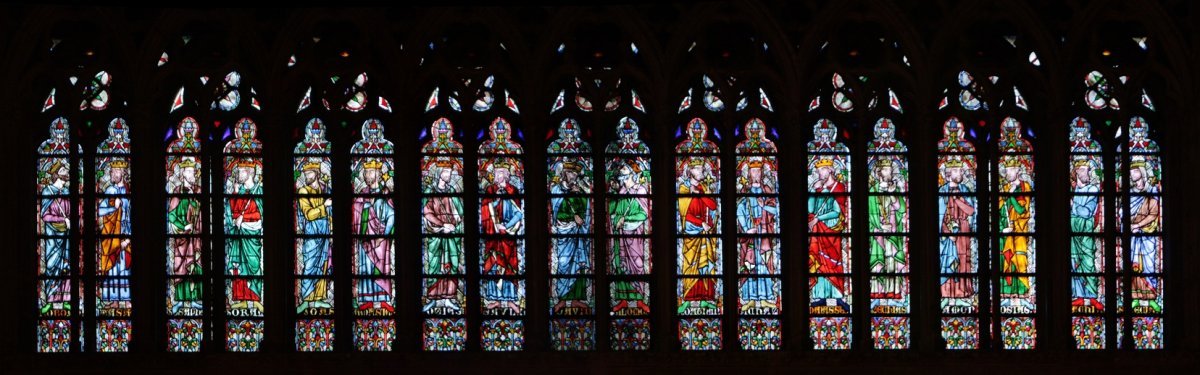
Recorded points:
875,215
571,264
185,290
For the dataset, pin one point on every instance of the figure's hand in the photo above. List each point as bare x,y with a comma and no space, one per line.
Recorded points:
187,228
620,222
1007,230
501,229
447,228
237,222
578,220
328,202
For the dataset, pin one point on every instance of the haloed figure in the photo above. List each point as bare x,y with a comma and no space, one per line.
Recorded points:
827,220
1085,216
56,221
313,219
699,253
443,215
886,214
183,219
571,216
1144,224
501,217
374,219
243,222
757,215
958,217
628,214
114,254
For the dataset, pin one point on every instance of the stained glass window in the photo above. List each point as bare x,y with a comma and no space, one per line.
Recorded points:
114,253
59,286
1016,246
83,274
1087,225
883,252
958,246
716,280
1135,291
987,252
313,214
888,224
501,178
243,230
372,224
443,289
830,287
699,289
579,289
187,208
627,172
759,255
1141,221
569,180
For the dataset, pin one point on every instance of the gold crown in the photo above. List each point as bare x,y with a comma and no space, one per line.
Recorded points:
695,162
311,166
247,163
444,163
1010,162
187,163
500,165
119,163
756,164
953,163
373,164
1138,164
1081,162
572,166
883,163
824,162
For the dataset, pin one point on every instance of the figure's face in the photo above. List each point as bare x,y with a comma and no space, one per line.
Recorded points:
445,174
626,177
1136,175
189,175
955,174
1012,172
501,176
371,177
569,176
696,172
825,173
756,174
310,176
244,173
117,175
1083,174
885,173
